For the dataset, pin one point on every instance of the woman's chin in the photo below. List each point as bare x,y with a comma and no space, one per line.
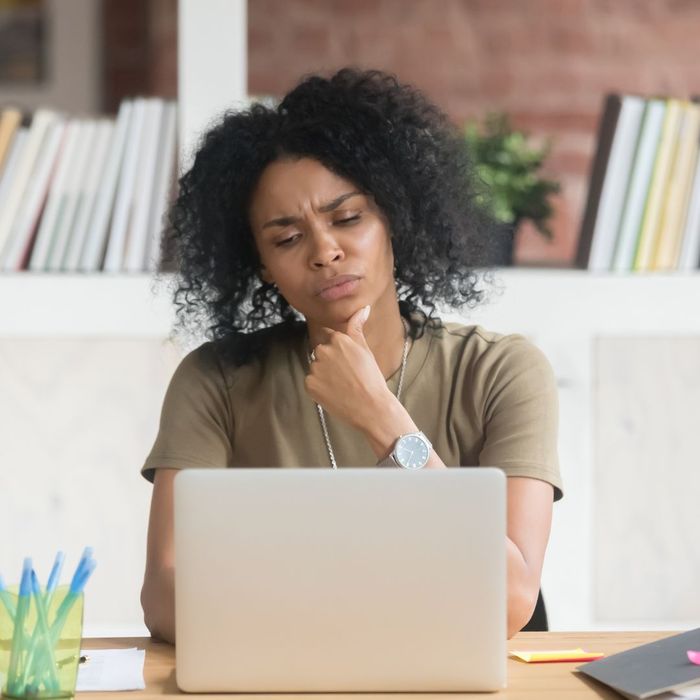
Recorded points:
336,314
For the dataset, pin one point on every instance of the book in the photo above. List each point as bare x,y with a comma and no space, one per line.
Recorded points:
649,669
163,186
116,244
18,185
16,252
675,207
638,186
51,217
14,155
689,258
649,231
86,131
617,176
88,195
606,134
135,248
96,241
10,121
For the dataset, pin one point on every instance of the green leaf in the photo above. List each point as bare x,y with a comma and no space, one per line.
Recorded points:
507,166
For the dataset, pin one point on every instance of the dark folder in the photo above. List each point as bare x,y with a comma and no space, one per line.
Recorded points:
649,669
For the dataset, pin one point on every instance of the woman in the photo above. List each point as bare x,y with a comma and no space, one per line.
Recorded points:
311,238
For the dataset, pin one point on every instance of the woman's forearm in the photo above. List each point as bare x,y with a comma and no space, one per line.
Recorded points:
386,423
522,589
158,603
393,420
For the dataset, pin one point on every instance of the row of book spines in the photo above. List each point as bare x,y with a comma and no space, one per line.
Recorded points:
643,209
86,194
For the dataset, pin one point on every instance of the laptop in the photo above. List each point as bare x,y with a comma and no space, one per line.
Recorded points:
321,580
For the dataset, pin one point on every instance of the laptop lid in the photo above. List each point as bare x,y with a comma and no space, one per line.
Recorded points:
311,580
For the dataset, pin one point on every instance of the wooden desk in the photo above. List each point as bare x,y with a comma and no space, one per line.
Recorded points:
525,681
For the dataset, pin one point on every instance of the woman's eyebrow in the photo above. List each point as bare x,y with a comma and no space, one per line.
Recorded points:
330,206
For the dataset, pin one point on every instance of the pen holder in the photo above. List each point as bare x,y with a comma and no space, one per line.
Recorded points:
40,643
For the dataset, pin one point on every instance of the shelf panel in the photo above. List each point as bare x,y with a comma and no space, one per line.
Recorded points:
540,302
49,305
577,303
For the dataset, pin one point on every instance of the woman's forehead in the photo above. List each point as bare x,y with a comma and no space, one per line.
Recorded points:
295,183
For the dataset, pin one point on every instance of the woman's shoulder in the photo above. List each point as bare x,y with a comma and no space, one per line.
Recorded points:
477,338
483,348
239,354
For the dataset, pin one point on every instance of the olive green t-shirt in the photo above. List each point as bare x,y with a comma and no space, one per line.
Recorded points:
481,398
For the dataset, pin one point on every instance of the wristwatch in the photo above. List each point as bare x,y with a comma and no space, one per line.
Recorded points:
410,451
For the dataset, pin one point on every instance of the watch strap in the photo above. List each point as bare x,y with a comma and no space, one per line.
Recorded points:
389,461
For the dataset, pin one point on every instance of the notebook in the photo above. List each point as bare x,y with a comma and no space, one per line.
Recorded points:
320,580
649,669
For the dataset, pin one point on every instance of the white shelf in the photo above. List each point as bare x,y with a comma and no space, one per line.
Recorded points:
541,302
49,305
575,303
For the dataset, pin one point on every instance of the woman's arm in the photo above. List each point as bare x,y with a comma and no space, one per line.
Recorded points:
529,517
158,592
528,525
347,382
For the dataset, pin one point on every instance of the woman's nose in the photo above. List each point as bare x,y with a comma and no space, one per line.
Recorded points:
325,249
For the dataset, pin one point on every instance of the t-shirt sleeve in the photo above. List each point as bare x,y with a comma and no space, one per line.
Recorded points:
520,412
196,420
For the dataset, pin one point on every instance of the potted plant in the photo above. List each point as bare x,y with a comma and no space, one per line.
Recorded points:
508,166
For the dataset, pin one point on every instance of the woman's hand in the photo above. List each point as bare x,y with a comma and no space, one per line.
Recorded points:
344,377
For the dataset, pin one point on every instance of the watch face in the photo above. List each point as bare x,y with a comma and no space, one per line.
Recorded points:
412,452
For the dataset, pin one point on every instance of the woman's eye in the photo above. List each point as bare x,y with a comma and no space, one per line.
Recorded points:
288,241
348,219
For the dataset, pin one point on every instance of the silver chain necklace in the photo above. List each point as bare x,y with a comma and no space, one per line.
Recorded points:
321,414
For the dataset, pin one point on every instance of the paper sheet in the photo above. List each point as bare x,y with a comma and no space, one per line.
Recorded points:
558,655
691,692
111,669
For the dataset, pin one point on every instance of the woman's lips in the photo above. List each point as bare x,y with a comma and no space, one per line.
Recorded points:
338,291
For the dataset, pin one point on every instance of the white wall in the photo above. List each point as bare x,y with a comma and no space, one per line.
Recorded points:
212,64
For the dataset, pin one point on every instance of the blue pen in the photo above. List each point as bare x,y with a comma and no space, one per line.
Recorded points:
7,600
84,560
87,554
47,598
53,577
47,660
25,588
80,578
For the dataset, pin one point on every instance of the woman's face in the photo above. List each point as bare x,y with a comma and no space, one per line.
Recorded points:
321,241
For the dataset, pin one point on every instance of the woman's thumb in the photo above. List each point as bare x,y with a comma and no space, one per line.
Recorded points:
358,319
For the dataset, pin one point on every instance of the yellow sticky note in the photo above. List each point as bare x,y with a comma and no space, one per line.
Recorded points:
557,655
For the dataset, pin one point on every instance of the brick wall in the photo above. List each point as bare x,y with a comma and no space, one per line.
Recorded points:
139,50
547,63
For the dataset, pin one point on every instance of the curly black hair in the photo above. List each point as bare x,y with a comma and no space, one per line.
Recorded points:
383,136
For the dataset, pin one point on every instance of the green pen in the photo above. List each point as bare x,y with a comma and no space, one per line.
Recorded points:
82,574
34,658
18,643
7,601
46,661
